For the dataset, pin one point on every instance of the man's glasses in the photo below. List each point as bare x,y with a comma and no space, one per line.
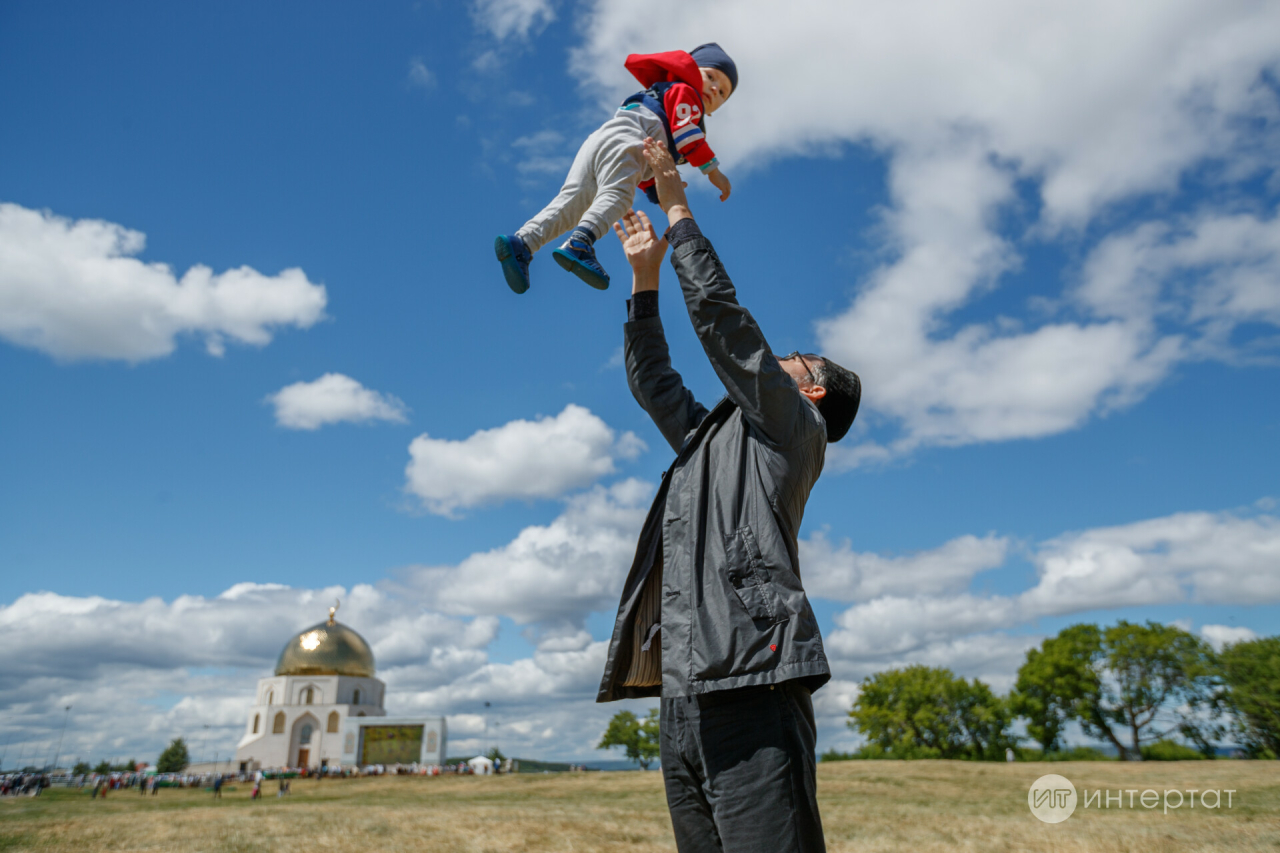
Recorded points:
796,354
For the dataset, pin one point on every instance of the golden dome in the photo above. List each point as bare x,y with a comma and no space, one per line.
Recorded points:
326,648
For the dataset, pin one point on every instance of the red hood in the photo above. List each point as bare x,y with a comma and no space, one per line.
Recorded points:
672,66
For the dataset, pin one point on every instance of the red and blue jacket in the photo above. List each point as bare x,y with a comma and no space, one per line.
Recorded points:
673,92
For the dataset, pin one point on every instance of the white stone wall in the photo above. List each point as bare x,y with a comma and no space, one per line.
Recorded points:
285,697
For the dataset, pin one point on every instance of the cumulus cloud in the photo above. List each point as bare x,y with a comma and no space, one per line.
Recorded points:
139,673
978,109
331,399
543,458
553,574
839,573
1222,635
73,290
1210,272
1195,557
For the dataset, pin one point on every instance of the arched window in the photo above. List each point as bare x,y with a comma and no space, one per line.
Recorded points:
255,724
277,728
333,721
355,697
305,737
309,694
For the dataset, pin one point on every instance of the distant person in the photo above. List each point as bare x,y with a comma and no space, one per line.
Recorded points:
713,617
217,787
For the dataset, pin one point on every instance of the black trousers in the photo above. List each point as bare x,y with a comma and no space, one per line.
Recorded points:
739,769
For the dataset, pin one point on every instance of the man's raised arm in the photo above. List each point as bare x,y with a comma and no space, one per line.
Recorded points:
656,386
733,341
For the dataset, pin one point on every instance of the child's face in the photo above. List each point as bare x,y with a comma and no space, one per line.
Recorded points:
716,89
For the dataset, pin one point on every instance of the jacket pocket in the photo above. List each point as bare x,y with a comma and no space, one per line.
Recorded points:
749,577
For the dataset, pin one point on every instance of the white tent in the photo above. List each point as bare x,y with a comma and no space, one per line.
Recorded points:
481,766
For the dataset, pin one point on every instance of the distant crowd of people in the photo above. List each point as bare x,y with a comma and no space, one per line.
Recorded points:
23,784
101,784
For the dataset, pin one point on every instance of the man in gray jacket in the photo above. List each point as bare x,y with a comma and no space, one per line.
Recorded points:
714,618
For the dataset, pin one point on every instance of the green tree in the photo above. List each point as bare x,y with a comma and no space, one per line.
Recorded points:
103,768
1057,681
1130,685
81,769
1251,676
638,737
174,759
927,712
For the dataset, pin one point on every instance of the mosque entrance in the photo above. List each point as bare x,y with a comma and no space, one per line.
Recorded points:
304,730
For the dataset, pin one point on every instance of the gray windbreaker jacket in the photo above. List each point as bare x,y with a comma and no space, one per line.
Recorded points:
720,537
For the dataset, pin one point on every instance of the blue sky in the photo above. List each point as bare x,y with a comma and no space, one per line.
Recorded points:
1057,278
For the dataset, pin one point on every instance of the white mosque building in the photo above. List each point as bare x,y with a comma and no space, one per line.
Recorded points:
323,707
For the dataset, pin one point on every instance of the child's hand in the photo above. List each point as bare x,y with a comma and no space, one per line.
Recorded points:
722,183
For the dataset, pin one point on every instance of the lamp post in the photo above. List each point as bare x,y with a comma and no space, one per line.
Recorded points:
204,738
66,713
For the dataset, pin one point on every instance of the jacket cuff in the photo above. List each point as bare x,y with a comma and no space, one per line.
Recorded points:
642,305
682,232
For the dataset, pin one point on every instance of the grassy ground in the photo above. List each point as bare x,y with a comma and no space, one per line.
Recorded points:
868,806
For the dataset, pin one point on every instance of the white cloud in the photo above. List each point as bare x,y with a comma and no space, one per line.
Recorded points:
140,673
552,574
521,459
1211,272
420,75
507,18
974,106
331,399
839,573
541,154
1196,557
1210,558
1221,635
72,289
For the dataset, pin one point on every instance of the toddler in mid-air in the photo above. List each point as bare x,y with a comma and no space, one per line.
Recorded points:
680,90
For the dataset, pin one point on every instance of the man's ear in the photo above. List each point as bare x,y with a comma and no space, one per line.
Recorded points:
814,392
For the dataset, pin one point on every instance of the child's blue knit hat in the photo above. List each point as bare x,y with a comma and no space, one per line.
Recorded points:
711,55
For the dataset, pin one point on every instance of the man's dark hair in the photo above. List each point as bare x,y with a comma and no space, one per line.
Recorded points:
840,404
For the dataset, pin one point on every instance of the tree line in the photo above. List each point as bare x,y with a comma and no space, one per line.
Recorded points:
1148,691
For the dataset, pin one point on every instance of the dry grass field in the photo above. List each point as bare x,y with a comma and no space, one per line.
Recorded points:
919,806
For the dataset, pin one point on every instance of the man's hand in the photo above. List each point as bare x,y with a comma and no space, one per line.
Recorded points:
722,183
666,178
643,247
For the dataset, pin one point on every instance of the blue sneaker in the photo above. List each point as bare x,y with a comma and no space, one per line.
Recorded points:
578,256
515,257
